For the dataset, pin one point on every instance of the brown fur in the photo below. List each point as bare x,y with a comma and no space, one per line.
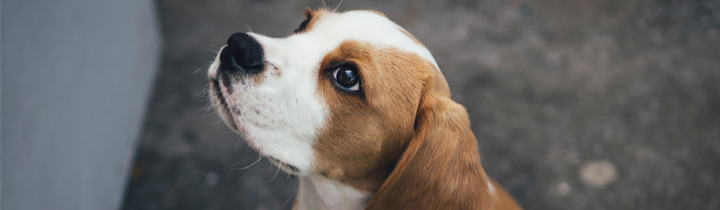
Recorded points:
411,36
377,12
502,199
367,133
404,139
440,168
258,79
313,16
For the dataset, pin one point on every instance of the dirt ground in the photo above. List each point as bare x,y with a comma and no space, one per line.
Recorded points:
576,104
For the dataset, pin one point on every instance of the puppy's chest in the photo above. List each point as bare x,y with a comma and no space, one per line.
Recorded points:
319,193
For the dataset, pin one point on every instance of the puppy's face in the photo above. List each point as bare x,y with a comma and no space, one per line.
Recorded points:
337,97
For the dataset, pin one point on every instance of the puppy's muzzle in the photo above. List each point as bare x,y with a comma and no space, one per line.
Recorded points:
243,55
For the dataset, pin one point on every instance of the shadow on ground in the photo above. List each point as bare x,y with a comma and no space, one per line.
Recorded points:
584,104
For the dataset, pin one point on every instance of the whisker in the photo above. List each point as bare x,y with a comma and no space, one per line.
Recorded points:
206,110
338,6
211,50
293,194
239,179
202,93
276,173
248,27
202,68
260,157
237,145
283,182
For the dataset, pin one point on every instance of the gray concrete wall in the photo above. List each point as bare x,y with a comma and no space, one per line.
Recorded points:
76,76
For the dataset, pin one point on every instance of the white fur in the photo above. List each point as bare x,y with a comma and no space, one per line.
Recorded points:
318,193
212,70
363,26
282,116
491,188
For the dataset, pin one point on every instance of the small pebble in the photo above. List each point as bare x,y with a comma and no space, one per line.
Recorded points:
598,173
563,188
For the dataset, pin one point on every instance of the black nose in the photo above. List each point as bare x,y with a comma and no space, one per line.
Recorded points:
242,55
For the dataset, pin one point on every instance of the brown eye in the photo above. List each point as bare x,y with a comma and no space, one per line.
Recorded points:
348,78
302,26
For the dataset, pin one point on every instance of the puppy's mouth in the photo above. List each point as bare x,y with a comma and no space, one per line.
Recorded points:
284,166
223,109
218,93
218,85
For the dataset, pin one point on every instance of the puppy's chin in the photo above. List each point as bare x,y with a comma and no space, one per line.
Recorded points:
220,105
292,170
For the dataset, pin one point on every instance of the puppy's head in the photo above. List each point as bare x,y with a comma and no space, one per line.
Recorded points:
340,96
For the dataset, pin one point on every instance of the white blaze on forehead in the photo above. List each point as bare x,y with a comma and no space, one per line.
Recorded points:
331,29
364,26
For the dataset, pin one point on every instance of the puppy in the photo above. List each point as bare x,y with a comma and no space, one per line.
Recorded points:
358,109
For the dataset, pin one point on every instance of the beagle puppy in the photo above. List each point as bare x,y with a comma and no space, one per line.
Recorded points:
358,109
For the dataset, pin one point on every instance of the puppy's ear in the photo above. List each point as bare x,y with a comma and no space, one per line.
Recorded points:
308,12
440,168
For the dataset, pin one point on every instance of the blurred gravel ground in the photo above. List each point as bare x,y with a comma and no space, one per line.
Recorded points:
576,104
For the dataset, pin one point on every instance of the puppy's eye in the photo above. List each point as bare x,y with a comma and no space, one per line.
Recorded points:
302,26
348,78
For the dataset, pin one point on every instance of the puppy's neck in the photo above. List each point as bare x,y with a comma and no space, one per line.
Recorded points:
319,193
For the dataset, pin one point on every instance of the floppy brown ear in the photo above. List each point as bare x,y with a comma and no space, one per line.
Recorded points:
440,168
